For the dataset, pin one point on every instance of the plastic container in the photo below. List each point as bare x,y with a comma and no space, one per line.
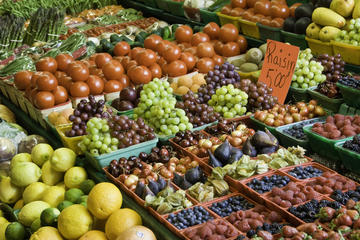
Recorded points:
350,95
349,53
249,28
350,159
323,146
287,140
294,39
332,104
346,110
99,162
69,142
204,126
298,94
162,4
128,113
291,2
267,32
318,47
224,19
176,8
261,126
150,3
207,16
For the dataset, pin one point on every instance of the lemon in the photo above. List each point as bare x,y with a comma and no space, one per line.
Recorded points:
93,235
35,225
3,229
87,185
73,194
9,193
121,220
64,204
61,184
46,233
104,199
18,158
19,204
15,231
3,220
49,175
74,221
74,177
49,216
24,173
31,211
54,195
41,153
63,159
34,192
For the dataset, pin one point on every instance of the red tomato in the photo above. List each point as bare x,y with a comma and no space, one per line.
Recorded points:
176,68
102,58
248,14
242,42
218,47
189,60
44,99
46,82
219,60
238,3
237,12
262,7
257,17
33,95
60,95
265,21
135,51
162,46
172,53
205,49
226,9
112,86
63,61
79,89
198,38
89,63
151,41
124,81
230,49
113,70
95,84
212,30
204,65
22,79
191,50
48,64
66,82
146,57
228,33
125,61
183,34
277,22
140,75
279,11
131,64
250,3
156,71
121,49
78,71
293,8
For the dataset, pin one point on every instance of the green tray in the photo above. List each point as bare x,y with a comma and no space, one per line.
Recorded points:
329,103
323,146
294,39
267,32
163,5
176,8
204,126
346,110
128,113
350,159
298,94
287,140
150,3
207,16
261,126
253,42
351,95
103,160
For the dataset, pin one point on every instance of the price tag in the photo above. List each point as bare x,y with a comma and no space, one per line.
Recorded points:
278,67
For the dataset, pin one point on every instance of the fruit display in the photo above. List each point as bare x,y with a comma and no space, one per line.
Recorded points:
308,73
228,206
251,61
348,36
332,182
260,143
284,157
349,82
219,229
299,19
266,183
333,66
346,198
353,144
305,172
297,131
128,99
189,217
60,118
285,114
337,127
186,83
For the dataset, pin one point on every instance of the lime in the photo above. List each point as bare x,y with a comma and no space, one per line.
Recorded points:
34,192
87,185
49,217
31,211
63,159
82,199
41,153
74,177
49,175
15,231
64,204
35,225
73,194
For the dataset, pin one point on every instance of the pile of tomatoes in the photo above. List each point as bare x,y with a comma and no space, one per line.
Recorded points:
270,13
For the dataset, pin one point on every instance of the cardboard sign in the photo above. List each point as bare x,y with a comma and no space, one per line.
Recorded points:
278,67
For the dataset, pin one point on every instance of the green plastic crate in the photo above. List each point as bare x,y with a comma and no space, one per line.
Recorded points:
261,126
323,146
298,94
176,8
267,32
346,110
329,103
128,113
291,2
151,3
350,159
350,95
207,16
204,126
104,160
294,39
163,5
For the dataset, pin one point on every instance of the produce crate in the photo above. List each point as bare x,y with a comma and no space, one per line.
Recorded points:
207,16
204,126
176,8
13,94
298,94
291,2
249,28
350,159
128,113
22,103
224,19
332,104
318,47
3,89
69,142
346,110
287,140
351,95
151,3
323,146
261,126
294,39
349,53
267,32
163,5
99,162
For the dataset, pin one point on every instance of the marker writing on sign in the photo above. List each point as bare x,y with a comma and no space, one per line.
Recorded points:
275,75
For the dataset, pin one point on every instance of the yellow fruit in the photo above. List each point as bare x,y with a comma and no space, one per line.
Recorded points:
54,195
199,79
104,199
137,233
61,120
195,88
2,230
24,173
327,17
63,159
61,184
52,117
181,90
34,192
74,221
174,85
185,81
49,175
66,113
3,221
74,177
93,235
46,233
41,153
19,204
9,193
31,211
18,158
121,220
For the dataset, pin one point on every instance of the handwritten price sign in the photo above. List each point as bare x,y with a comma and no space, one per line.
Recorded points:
278,68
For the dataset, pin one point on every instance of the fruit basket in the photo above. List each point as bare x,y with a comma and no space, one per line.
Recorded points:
350,95
350,159
207,16
101,161
69,142
176,8
332,104
249,28
298,94
294,39
350,54
224,19
346,110
318,47
267,32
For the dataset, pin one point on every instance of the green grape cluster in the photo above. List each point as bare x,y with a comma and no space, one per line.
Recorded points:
229,101
308,72
157,108
98,139
352,34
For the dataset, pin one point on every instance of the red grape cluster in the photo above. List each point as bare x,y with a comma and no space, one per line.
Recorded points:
157,155
84,111
333,66
124,166
188,138
130,132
